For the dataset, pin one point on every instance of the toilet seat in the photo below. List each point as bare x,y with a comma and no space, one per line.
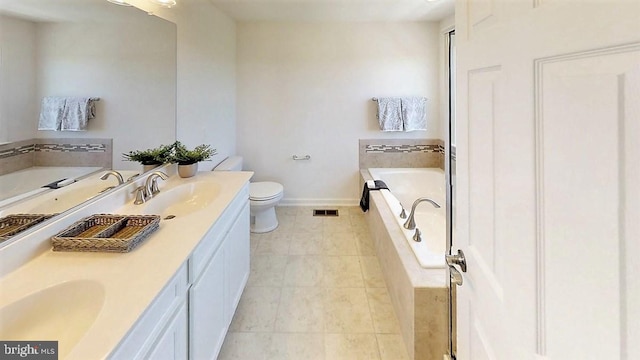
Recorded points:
264,190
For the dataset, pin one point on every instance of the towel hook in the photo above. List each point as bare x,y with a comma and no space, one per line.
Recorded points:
306,157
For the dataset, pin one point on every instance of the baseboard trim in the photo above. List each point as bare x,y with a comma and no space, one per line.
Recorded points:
319,202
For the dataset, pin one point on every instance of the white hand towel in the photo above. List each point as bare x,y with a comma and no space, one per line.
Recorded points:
414,113
390,114
76,114
51,112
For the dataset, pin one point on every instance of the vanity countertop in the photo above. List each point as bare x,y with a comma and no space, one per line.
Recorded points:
130,281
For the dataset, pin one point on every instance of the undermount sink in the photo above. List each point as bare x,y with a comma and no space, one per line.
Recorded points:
183,199
63,313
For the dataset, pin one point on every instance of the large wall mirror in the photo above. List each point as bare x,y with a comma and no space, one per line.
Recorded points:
88,48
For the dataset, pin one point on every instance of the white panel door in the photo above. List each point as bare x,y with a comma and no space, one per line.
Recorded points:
548,178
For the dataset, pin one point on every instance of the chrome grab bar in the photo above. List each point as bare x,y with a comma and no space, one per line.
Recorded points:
306,157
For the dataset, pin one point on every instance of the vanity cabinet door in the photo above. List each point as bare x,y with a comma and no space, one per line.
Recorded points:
236,257
172,344
207,319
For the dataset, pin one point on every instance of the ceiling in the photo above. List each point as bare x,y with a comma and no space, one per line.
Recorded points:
336,10
68,10
244,10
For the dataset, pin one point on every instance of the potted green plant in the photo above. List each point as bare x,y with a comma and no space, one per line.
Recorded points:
151,158
188,160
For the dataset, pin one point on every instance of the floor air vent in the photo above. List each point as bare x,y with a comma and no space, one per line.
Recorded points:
325,212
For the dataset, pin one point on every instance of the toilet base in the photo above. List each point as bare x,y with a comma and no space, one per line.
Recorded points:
263,220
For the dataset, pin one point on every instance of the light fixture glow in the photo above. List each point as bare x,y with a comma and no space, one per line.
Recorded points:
165,3
119,2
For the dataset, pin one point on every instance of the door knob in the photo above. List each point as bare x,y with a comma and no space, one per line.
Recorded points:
458,259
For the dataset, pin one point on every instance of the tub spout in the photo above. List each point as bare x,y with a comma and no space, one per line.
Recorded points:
410,224
115,174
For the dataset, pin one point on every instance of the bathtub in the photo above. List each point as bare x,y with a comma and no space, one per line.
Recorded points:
405,186
27,182
52,201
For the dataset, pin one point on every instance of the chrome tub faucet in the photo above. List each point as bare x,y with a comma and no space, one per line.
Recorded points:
115,174
410,224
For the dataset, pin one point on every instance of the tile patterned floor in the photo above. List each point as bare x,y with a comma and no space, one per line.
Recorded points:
315,292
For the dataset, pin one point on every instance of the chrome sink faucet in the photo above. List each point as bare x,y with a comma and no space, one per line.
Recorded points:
411,223
115,174
151,185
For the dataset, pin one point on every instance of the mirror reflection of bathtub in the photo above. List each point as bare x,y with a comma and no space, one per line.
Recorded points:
84,184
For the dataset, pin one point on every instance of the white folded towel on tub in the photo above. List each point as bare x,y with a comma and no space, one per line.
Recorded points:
51,113
390,114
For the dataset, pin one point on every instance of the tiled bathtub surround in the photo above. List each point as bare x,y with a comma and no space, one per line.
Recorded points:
419,296
401,153
55,152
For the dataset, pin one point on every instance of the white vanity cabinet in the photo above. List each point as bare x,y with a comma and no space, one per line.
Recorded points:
190,317
172,343
216,290
161,333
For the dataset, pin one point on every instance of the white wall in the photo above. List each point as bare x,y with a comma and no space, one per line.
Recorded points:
206,79
130,66
18,104
307,89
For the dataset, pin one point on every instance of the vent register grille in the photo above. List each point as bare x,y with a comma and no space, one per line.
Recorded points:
325,212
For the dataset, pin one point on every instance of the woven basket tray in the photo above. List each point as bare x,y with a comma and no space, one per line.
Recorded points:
106,233
13,224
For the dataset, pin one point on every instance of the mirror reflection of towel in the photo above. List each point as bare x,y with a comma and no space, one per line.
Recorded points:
76,114
51,113
66,113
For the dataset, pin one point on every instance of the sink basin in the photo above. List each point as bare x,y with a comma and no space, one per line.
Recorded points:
183,199
63,313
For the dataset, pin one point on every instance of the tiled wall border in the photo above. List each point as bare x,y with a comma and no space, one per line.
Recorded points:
404,148
401,153
71,147
18,150
26,149
55,152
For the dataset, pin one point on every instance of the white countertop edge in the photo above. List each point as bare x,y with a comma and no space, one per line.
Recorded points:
132,280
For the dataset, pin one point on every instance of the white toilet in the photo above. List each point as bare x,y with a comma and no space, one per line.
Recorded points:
263,198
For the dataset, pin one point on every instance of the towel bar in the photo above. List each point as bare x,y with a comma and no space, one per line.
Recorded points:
306,157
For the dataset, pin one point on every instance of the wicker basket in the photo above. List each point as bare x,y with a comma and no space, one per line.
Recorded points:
106,233
13,224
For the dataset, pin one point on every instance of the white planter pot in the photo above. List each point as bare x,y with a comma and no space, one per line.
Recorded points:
187,171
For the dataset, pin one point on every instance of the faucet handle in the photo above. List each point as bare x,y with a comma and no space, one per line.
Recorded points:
403,214
417,237
141,195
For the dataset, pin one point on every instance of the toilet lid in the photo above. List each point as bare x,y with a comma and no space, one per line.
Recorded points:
264,190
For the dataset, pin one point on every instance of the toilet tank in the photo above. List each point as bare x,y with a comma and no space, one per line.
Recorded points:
232,163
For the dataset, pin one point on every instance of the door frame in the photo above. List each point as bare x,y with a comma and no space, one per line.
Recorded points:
449,184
